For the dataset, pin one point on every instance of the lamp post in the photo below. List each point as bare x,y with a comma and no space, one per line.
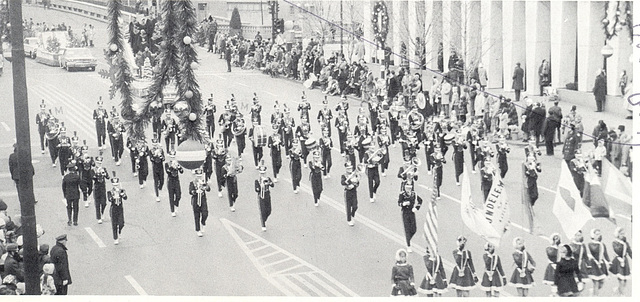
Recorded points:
606,51
341,26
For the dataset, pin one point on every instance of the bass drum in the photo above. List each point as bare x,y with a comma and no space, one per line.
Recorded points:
259,136
421,101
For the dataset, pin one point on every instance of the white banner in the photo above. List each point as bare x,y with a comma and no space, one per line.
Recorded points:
496,207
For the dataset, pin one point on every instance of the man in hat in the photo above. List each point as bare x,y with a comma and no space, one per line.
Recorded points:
288,124
409,202
570,144
304,107
240,134
229,171
157,164
554,122
262,185
60,259
197,189
324,116
372,159
209,111
116,197
13,167
71,192
42,120
142,162
342,124
350,180
275,143
64,150
173,170
600,90
256,110
13,263
115,129
99,175
518,80
326,144
100,115
486,177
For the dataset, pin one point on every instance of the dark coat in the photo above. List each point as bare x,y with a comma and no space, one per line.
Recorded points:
60,260
518,77
71,186
600,87
12,267
565,276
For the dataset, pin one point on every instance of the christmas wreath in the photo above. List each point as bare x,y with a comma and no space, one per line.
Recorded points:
614,23
380,22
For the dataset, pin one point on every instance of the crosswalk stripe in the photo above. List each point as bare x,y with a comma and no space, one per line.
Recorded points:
288,269
268,255
72,105
259,248
95,237
309,285
63,93
324,285
136,285
293,286
277,262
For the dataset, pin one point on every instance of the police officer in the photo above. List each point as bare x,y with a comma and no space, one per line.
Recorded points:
42,120
173,170
116,196
99,175
262,185
197,189
157,164
71,192
350,180
100,115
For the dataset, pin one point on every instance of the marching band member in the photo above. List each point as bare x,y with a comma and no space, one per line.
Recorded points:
71,192
220,156
207,166
275,144
240,133
581,254
429,145
408,172
409,142
209,111
502,149
553,254
64,150
257,143
173,170
76,149
532,148
225,121
494,278
294,165
409,202
170,130
438,160
620,263
597,270
156,119
350,180
325,115
277,118
99,175
463,278
578,169
384,140
435,280
394,121
53,137
229,174
256,110
315,176
325,147
483,153
531,170
522,277
116,196
42,120
302,133
116,129
361,133
374,111
288,124
133,154
486,173
157,164
350,145
342,124
85,166
458,157
363,117
100,115
304,107
142,162
262,185
372,159
343,105
198,188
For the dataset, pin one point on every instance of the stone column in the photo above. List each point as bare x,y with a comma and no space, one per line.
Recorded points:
451,24
433,30
412,15
370,50
471,35
538,42
513,37
619,61
590,41
491,19
563,42
396,26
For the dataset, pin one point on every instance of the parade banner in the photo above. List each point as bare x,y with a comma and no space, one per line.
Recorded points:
617,188
431,221
496,207
593,196
568,207
527,205
473,217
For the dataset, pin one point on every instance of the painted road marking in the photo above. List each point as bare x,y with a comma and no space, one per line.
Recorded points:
624,216
8,193
6,127
5,175
289,284
269,93
136,285
547,189
242,84
95,237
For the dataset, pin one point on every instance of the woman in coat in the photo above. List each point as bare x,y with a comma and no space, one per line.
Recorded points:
402,276
522,277
494,278
566,274
435,280
620,263
597,270
463,278
553,255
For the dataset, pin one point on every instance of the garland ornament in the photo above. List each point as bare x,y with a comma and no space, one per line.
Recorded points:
380,23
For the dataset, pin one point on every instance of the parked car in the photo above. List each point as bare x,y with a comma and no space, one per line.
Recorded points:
70,58
31,47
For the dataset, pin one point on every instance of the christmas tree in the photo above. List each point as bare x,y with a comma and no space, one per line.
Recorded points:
121,82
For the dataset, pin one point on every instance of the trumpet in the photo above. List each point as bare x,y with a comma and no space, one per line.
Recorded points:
376,156
234,168
412,169
354,177
503,147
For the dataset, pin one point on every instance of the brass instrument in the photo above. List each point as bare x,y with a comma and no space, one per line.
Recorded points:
238,127
376,156
503,147
416,119
354,177
235,167
412,169
265,182
54,129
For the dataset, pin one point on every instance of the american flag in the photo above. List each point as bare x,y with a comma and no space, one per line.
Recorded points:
431,221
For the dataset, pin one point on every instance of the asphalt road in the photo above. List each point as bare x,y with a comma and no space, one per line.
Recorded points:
307,251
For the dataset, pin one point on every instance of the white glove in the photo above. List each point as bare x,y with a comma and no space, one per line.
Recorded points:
414,210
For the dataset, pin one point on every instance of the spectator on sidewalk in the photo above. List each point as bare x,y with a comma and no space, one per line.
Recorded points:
555,119
600,132
518,81
536,121
623,82
600,90
544,72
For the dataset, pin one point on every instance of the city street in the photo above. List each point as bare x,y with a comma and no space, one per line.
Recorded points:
307,250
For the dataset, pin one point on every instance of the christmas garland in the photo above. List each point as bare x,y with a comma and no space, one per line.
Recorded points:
381,30
119,67
612,24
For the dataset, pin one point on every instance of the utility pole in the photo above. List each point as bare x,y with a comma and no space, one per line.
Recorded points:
341,27
261,14
23,151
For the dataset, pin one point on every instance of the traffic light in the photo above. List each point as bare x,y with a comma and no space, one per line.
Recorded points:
270,4
279,26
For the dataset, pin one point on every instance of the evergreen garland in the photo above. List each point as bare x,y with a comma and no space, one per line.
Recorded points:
187,84
612,24
380,31
121,82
